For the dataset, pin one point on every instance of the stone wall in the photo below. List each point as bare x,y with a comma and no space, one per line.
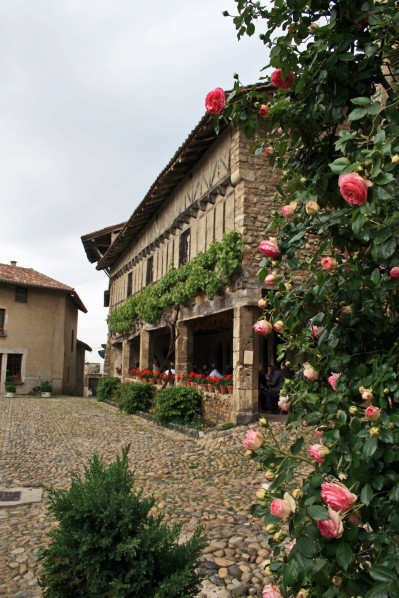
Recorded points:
218,407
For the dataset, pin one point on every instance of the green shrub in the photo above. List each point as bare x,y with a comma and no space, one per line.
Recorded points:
107,545
11,388
227,426
177,402
107,385
135,396
46,385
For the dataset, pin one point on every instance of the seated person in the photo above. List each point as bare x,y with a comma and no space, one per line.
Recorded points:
269,375
205,371
262,387
272,395
171,370
215,373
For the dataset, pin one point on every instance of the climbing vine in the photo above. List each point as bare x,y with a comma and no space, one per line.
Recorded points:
208,272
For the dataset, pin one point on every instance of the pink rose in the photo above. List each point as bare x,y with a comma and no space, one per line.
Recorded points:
373,413
268,150
315,330
367,394
333,380
289,210
270,248
253,440
271,591
278,81
337,496
333,527
280,508
271,279
263,327
278,326
312,208
353,188
264,110
215,100
309,372
283,403
394,273
329,263
318,452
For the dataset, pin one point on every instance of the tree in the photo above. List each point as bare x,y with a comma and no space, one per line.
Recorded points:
333,122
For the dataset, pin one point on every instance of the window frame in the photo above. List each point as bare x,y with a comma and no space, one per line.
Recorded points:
184,247
21,294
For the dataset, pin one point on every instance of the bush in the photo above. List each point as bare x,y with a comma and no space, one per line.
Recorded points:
135,396
227,426
177,401
11,388
107,385
46,385
107,545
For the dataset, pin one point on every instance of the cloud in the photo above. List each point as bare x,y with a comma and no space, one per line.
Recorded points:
96,98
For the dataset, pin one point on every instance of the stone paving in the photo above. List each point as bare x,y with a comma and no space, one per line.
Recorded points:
206,481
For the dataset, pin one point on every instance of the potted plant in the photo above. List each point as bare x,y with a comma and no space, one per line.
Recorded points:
229,383
185,379
46,387
209,380
216,382
158,378
118,370
10,390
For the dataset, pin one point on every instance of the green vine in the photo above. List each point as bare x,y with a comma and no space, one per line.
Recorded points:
207,272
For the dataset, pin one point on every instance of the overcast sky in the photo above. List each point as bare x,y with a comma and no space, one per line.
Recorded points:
96,97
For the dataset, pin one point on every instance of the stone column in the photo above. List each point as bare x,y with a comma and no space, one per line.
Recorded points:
245,376
125,359
146,349
184,348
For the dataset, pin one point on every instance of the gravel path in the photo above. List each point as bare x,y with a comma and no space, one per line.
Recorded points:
204,481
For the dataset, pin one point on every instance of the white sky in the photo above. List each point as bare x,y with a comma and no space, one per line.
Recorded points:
96,96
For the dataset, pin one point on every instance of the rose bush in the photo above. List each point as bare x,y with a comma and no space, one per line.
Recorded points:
333,135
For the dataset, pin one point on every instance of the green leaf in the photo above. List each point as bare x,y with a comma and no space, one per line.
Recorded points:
379,590
361,101
387,248
366,495
380,573
375,276
339,165
318,513
292,572
344,555
306,546
370,446
357,221
384,178
296,447
357,114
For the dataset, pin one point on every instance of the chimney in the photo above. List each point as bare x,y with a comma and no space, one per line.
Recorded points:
13,264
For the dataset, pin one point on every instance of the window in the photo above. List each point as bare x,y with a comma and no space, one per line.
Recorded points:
106,298
2,320
184,247
14,362
129,285
150,270
21,294
72,341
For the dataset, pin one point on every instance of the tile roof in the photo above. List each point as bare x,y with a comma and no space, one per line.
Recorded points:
28,277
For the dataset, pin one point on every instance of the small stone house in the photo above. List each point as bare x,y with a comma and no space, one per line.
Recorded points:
212,185
38,332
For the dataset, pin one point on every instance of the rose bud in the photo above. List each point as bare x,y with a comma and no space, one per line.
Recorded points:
297,493
318,452
288,286
313,27
353,410
312,208
395,158
367,395
336,581
271,279
248,454
269,151
373,413
263,422
253,440
394,273
329,263
374,431
361,389
386,391
288,210
346,310
262,303
278,326
264,110
271,528
270,475
261,494
309,372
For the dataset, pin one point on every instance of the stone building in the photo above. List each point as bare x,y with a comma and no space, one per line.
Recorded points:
38,331
211,186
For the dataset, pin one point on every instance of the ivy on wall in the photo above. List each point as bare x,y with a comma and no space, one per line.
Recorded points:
208,272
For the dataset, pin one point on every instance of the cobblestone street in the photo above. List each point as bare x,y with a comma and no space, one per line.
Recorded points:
204,481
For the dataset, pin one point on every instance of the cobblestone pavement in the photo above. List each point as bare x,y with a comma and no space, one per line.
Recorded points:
204,481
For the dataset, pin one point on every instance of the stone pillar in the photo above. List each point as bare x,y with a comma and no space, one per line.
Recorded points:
184,348
245,376
146,349
125,359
